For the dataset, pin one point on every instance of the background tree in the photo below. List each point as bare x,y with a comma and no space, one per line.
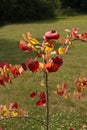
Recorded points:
17,10
84,6
25,10
78,5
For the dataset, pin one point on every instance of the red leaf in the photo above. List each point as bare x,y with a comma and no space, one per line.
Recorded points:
24,66
60,92
42,97
39,103
58,60
2,81
24,47
51,35
42,100
84,36
38,54
71,129
13,106
51,67
34,94
2,64
1,128
64,86
14,70
33,65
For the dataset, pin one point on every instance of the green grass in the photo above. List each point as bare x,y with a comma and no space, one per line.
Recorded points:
67,113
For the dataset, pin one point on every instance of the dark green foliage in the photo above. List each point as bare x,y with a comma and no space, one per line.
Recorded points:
44,9
78,5
26,10
71,3
84,6
22,10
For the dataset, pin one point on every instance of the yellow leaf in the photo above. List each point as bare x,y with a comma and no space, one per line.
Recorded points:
48,48
29,34
31,45
6,114
6,70
1,71
42,83
67,96
32,39
4,108
58,86
25,37
61,50
41,65
14,114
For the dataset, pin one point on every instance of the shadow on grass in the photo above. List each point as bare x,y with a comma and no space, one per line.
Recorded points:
51,20
10,52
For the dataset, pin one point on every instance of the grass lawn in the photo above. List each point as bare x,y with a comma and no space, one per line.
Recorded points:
66,114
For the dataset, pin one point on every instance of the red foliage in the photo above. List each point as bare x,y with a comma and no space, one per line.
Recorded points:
1,128
58,60
34,94
71,129
54,64
13,106
24,47
51,67
2,81
42,100
60,92
51,35
2,64
42,97
14,71
39,103
33,65
24,66
84,36
80,84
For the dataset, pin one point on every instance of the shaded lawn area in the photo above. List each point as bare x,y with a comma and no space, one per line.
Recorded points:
9,52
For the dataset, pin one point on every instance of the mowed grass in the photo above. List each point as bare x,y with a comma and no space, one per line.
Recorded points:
64,114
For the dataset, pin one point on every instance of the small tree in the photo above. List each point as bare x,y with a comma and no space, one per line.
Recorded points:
47,60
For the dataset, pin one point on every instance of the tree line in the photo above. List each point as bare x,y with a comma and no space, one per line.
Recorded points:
22,10
78,5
